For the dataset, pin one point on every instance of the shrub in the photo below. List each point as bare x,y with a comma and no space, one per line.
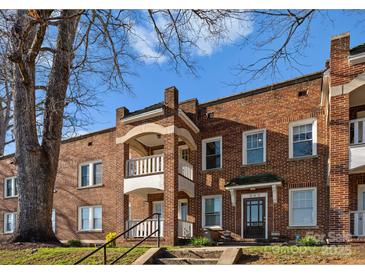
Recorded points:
109,236
309,241
201,241
74,243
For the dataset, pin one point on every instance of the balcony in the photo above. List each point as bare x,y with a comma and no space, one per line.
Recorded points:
147,173
357,223
357,144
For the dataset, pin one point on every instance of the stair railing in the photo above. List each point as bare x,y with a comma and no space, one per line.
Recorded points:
104,246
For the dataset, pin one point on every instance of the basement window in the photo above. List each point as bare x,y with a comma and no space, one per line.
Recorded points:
9,222
90,174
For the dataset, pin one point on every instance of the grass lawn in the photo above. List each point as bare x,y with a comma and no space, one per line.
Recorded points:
345,254
64,255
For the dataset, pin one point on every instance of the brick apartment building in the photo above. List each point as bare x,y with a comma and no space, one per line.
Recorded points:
279,161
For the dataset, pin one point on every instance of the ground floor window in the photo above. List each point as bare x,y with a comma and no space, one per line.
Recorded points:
53,218
9,222
212,211
90,218
303,207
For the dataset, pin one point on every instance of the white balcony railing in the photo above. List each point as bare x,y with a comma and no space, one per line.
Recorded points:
144,229
145,165
155,164
185,169
357,131
185,229
357,223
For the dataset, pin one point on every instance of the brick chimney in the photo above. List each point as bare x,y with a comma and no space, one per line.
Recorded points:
121,113
171,99
339,64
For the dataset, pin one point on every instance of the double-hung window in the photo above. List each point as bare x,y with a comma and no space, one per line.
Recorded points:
9,222
254,147
303,138
90,218
212,153
303,207
10,187
212,211
90,174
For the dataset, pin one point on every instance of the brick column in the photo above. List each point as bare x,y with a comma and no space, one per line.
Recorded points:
339,179
171,188
339,226
122,200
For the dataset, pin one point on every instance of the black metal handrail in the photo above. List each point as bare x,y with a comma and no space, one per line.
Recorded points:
158,231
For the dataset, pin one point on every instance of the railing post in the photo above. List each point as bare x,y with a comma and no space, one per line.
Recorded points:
105,254
158,229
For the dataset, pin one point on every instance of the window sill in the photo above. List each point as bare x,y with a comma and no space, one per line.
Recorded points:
213,227
11,197
303,227
254,164
217,169
90,231
303,158
87,187
8,233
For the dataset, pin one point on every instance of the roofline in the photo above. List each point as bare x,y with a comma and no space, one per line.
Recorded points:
272,87
69,140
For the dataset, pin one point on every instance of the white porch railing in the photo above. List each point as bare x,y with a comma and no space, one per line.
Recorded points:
357,131
357,221
185,169
145,165
185,229
144,229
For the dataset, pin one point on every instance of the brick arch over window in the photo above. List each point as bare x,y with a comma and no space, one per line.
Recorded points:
149,128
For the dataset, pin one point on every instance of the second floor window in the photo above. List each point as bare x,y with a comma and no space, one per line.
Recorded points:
303,138
212,153
254,147
91,174
11,187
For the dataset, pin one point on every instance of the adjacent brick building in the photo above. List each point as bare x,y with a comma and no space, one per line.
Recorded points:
273,163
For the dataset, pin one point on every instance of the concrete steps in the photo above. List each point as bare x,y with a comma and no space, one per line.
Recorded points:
187,261
189,256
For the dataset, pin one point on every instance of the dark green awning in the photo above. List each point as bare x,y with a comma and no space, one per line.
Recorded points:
263,178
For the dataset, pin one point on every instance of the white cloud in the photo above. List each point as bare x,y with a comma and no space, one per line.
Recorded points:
145,42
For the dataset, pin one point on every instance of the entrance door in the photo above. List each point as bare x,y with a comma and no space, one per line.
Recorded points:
361,197
157,207
254,218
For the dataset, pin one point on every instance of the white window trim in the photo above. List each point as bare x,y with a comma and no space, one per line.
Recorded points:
204,158
314,207
12,186
203,211
5,217
91,218
55,220
312,121
91,173
244,145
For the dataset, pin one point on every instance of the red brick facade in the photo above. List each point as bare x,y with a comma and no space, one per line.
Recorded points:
272,108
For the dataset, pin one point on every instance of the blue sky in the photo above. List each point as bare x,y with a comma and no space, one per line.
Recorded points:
215,72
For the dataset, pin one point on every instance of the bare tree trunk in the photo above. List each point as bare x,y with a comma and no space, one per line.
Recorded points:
37,163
